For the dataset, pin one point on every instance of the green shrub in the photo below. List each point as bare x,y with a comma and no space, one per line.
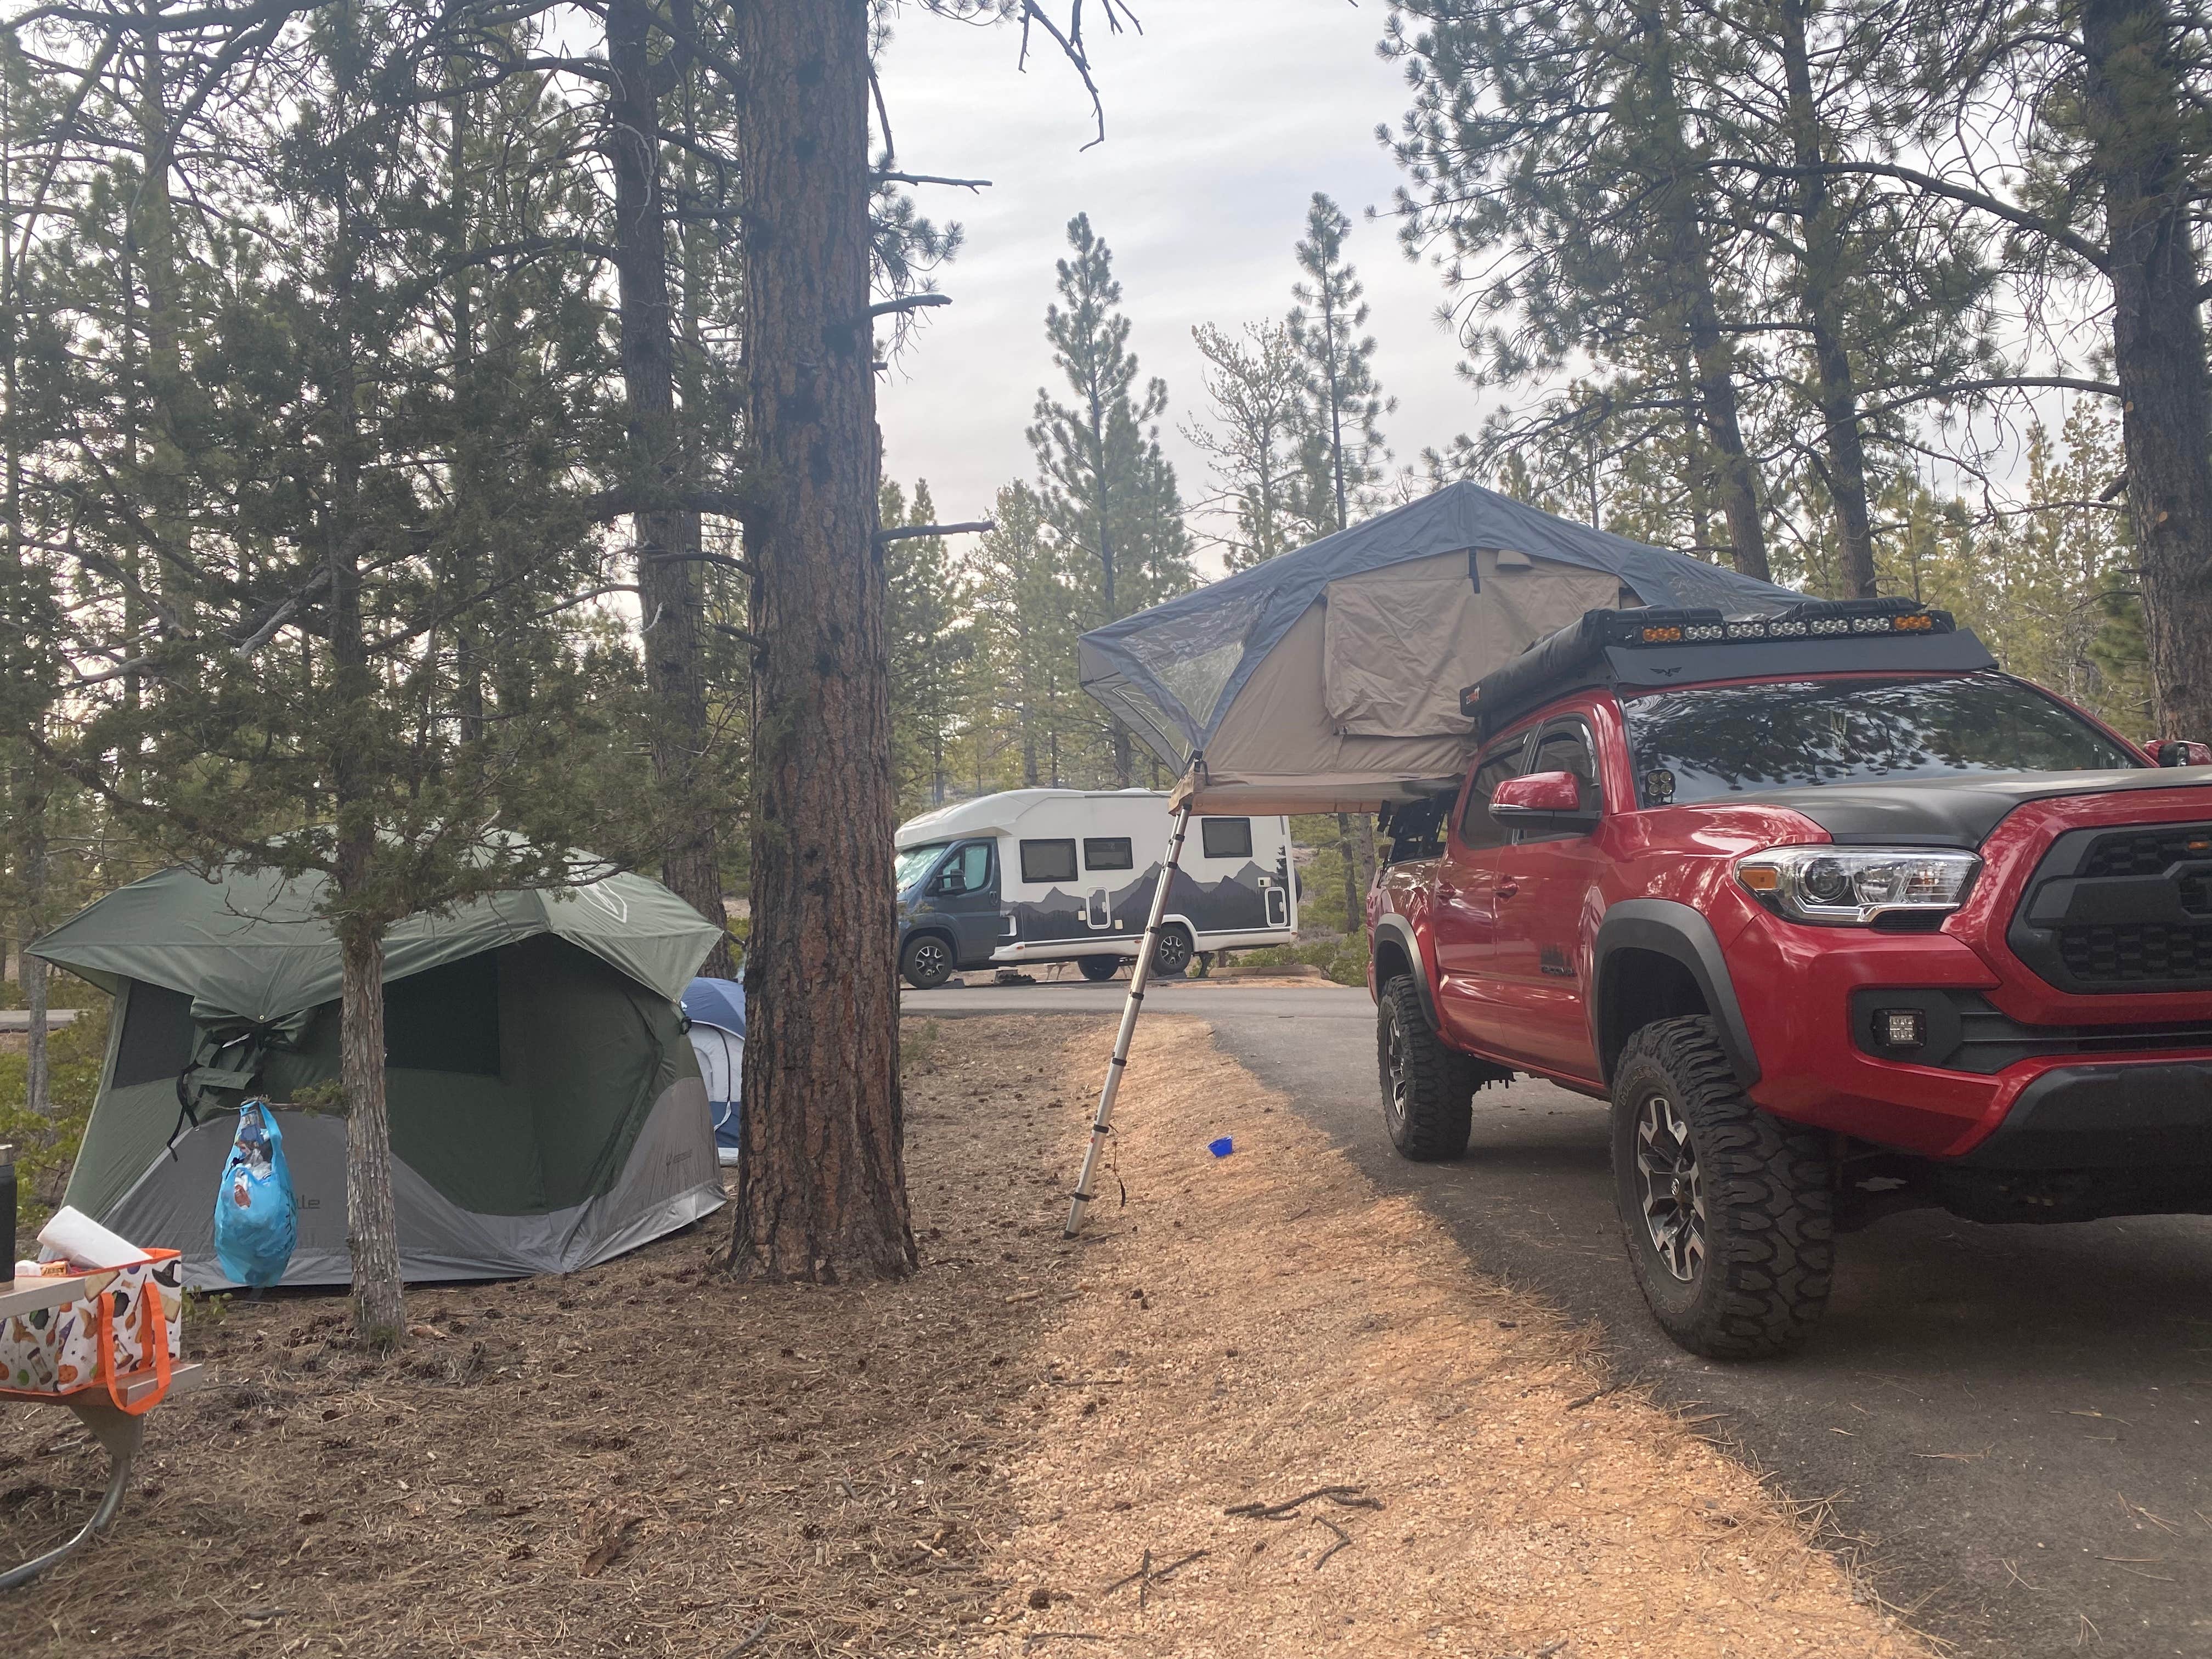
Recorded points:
1344,959
45,1147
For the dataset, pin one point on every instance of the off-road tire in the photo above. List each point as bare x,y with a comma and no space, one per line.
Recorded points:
1171,956
926,963
1765,1191
1098,970
1428,1087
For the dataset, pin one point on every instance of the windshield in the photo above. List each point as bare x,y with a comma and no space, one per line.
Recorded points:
914,863
1722,740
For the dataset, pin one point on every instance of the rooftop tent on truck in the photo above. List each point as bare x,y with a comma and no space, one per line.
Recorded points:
1328,679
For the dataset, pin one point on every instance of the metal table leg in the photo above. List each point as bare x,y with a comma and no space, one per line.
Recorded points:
121,1435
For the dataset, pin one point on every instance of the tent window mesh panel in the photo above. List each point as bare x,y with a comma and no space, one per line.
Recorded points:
1225,838
1049,860
157,1036
1108,853
446,1020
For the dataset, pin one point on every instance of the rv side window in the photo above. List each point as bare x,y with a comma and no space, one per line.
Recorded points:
1108,853
1225,838
1049,860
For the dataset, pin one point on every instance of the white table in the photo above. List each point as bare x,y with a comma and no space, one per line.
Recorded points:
120,1433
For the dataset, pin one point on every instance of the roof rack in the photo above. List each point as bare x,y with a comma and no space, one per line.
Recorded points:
1654,648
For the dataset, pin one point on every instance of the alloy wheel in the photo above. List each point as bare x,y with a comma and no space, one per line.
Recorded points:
1671,1188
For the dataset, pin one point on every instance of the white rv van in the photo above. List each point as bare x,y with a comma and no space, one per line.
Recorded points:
1058,875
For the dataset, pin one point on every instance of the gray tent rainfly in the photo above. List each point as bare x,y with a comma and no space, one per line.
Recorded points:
1328,680
546,1111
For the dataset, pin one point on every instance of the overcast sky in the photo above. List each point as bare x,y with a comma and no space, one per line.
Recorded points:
1223,118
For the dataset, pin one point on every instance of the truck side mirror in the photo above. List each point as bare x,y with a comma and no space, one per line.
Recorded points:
1541,800
2174,751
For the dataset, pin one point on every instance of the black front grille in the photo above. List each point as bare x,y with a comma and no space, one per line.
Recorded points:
2149,852
2119,910
2126,956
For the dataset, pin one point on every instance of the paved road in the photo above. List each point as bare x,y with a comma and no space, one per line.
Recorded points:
19,1019
2013,1420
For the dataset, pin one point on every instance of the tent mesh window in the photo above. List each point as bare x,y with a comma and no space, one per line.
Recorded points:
157,1036
446,1020
1225,838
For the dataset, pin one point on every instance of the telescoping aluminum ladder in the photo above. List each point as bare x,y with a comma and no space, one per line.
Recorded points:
1101,1125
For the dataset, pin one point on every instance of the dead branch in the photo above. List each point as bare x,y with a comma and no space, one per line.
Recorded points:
908,533
908,302
1343,1539
1347,1497
931,179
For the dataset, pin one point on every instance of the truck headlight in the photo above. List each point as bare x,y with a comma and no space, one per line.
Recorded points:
1853,885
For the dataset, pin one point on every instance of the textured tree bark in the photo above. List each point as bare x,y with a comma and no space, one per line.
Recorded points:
1681,211
1836,389
822,1184
372,1223
2134,116
667,578
36,1072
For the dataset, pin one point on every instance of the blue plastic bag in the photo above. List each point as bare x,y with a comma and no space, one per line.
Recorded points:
256,1219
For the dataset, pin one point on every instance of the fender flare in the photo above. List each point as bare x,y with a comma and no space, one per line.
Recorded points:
1400,931
1675,931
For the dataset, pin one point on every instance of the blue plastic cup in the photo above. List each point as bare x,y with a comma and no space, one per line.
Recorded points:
1222,1147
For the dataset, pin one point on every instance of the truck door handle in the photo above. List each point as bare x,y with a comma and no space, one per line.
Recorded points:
1507,889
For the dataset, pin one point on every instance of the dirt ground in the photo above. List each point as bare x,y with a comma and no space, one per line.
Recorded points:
648,1459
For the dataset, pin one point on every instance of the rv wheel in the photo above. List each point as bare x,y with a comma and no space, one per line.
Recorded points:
1171,956
1098,970
927,962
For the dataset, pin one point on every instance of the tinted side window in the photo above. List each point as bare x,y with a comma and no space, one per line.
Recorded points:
1049,860
1108,853
1476,827
1225,838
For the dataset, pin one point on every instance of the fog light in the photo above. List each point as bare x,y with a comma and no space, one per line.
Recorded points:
1901,1028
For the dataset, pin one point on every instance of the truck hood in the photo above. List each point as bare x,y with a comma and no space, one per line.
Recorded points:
1958,812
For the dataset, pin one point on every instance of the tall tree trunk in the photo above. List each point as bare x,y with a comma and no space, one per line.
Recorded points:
372,1225
37,1076
822,1184
1681,207
2134,116
668,542
379,1303
1821,273
1359,869
153,232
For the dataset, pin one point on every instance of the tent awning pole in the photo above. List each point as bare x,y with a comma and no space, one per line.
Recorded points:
1101,1125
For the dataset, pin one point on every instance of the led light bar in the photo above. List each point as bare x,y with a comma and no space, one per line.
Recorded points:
1815,619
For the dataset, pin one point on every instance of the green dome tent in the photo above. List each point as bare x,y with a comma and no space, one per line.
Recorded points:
546,1109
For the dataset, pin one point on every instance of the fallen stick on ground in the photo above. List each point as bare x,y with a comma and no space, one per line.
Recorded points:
1146,1575
1349,1498
1343,1539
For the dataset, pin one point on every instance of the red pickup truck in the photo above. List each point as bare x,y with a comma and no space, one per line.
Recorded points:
1839,918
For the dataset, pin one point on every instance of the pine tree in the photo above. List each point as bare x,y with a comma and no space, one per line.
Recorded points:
1342,458
933,650
1107,488
1258,389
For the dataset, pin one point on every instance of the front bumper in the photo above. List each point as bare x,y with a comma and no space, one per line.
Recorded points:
2064,1110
